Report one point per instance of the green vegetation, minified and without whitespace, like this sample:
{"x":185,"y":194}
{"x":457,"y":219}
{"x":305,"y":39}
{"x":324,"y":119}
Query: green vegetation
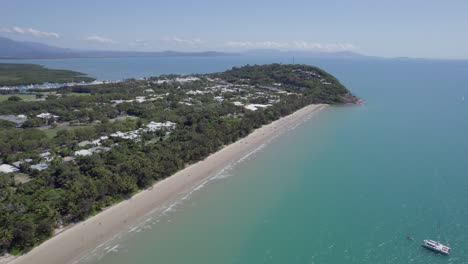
{"x":78,"y":94}
{"x":52,"y":132}
{"x":209,"y":111}
{"x":312,"y":81}
{"x":25,"y":74}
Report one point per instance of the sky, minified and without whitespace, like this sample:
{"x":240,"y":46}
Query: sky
{"x":409,"y":28}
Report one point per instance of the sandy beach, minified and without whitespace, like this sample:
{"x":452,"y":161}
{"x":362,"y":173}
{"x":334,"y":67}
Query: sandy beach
{"x":85,"y":236}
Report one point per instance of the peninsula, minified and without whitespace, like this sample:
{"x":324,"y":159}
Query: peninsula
{"x":26,"y":74}
{"x":74,"y":151}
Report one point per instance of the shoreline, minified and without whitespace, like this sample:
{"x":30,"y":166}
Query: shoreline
{"x":81,"y":238}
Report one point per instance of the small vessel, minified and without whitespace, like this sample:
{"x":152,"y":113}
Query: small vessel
{"x":436,"y":246}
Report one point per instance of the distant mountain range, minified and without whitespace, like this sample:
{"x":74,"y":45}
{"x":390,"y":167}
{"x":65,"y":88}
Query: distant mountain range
{"x":12,"y":49}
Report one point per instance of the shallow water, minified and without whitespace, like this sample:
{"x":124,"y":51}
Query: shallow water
{"x":347,"y":186}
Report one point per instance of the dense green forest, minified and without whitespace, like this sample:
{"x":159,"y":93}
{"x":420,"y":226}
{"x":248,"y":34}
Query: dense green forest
{"x":25,"y":74}
{"x":209,"y":111}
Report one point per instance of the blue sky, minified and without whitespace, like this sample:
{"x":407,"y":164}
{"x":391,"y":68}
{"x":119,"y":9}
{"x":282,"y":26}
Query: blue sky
{"x":412,"y":28}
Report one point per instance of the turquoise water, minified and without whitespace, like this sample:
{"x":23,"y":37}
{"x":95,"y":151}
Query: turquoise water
{"x":347,"y":186}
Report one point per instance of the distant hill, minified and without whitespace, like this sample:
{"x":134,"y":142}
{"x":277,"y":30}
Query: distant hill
{"x":12,"y":49}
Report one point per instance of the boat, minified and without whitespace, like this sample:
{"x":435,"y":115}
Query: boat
{"x":436,"y":246}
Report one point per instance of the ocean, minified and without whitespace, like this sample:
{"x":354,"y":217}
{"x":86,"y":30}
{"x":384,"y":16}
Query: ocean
{"x":350,"y":185}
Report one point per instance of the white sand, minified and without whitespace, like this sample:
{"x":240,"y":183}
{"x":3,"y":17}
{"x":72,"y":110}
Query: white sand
{"x":83,"y":237}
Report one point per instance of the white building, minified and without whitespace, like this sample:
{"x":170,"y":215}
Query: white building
{"x":46,"y":116}
{"x":126,"y":135}
{"x":254,"y":107}
{"x":154,"y":126}
{"x":83,"y":152}
{"x":88,"y":152}
{"x":40,"y":166}
{"x":6,"y":168}
{"x":46,"y":155}
{"x":151,"y":127}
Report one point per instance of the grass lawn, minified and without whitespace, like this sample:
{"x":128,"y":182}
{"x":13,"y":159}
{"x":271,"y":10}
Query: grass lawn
{"x":123,"y":118}
{"x":25,"y":97}
{"x":22,"y":178}
{"x":52,"y":132}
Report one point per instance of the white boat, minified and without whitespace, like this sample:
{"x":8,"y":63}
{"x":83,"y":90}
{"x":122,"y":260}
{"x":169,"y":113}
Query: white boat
{"x":436,"y":246}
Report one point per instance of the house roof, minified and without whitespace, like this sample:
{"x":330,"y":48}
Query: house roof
{"x":6,"y":168}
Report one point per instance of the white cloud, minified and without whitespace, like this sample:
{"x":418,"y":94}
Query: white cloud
{"x":178,"y":40}
{"x":101,"y":40}
{"x":140,"y":43}
{"x":30,"y":32}
{"x":292,"y":45}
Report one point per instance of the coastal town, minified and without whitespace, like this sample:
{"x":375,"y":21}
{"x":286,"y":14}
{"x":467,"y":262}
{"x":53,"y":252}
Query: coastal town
{"x":240,"y":95}
{"x":90,"y":146}
{"x":192,"y":90}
